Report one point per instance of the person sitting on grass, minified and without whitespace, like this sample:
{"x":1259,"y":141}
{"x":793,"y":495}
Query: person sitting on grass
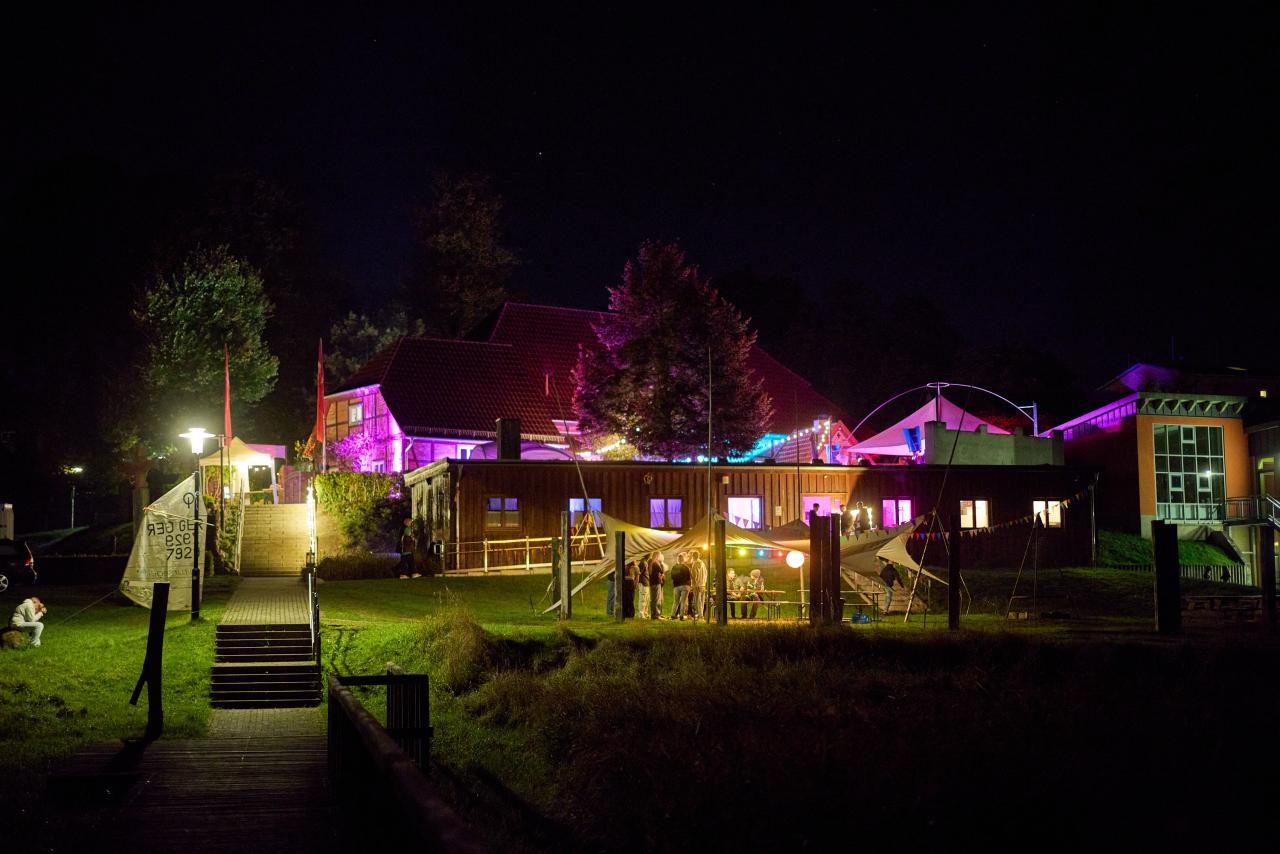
{"x":27,"y":617}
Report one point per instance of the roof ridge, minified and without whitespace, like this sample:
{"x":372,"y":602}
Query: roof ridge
{"x":556,"y":307}
{"x":455,"y":341}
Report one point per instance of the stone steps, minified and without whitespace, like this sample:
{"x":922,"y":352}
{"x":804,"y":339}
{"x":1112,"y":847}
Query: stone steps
{"x":264,"y":666}
{"x":275,"y":540}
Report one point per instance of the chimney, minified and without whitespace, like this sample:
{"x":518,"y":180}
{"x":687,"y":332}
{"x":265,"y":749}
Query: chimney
{"x":508,"y":438}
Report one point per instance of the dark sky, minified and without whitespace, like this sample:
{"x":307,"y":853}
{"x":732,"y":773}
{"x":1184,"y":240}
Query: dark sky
{"x":1092,"y":179}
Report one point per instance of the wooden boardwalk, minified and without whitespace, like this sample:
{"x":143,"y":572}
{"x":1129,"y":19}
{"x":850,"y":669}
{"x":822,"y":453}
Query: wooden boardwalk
{"x":233,"y":793}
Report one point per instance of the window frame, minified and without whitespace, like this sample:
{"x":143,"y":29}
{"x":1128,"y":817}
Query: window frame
{"x":1047,"y":523}
{"x":973,"y":514}
{"x":575,"y":516}
{"x":355,"y":412}
{"x":666,"y":512}
{"x":897,"y":508}
{"x":503,"y":511}
{"x":759,"y":500}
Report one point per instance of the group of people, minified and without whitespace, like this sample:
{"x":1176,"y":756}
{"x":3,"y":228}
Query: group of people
{"x":642,"y":591}
{"x":641,"y":594}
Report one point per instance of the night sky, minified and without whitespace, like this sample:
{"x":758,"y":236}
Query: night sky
{"x":1094,"y":181}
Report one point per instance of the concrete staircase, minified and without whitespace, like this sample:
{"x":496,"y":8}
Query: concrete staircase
{"x":264,"y":666}
{"x":275,"y":540}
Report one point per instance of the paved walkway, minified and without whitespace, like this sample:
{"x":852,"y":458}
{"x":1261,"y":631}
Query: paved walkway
{"x":266,"y":601}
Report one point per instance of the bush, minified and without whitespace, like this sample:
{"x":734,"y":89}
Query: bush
{"x":370,"y":508}
{"x":356,"y":567}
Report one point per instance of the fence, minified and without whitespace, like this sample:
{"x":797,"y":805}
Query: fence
{"x":379,"y":783}
{"x":1231,"y":574}
{"x":519,"y":554}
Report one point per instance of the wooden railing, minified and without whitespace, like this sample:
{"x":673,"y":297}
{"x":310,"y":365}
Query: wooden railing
{"x":381,"y":787}
{"x":1235,"y":573}
{"x":517,"y":553}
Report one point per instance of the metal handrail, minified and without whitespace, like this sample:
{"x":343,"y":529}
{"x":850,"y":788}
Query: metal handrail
{"x":239,"y":532}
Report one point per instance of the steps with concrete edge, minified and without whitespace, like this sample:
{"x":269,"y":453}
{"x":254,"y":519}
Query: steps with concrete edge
{"x":275,"y":540}
{"x":264,"y":666}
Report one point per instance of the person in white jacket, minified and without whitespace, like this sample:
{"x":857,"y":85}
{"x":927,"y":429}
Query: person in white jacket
{"x":27,"y":617}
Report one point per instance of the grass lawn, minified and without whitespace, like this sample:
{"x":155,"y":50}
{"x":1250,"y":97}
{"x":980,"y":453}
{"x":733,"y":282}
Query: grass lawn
{"x":74,"y":689}
{"x":595,"y":736}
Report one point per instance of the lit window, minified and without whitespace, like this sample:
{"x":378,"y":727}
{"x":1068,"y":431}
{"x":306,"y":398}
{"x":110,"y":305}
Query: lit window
{"x":575,"y":511}
{"x":895,"y":511}
{"x":502,"y":512}
{"x":355,"y":413}
{"x":666,"y":513}
{"x":378,"y":466}
{"x":822,"y":502}
{"x":974,"y":513}
{"x":1262,"y":393}
{"x":1049,"y":512}
{"x":464,"y":451}
{"x":1190,"y":472}
{"x":745,"y":511}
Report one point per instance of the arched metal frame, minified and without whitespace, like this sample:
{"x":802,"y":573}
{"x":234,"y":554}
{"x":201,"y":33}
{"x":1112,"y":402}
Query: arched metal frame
{"x":938,"y":387}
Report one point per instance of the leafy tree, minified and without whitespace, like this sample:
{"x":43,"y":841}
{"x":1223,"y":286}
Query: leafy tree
{"x":212,"y":300}
{"x":463,"y":267}
{"x":646,"y":377}
{"x":357,"y":338}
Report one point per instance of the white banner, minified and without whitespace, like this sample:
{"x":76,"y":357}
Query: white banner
{"x":168,"y":542}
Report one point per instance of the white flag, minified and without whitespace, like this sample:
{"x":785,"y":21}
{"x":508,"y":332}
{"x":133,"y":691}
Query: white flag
{"x":169,"y":541}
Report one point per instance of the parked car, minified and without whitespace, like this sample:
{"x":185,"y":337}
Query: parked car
{"x":17,"y":564}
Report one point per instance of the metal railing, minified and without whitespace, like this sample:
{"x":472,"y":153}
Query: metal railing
{"x":518,"y":553}
{"x":239,"y":532}
{"x":313,"y":605}
{"x":1235,"y":573}
{"x":1252,"y":508}
{"x":378,"y":772}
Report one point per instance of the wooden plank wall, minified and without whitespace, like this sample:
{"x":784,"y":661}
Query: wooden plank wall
{"x":544,"y":489}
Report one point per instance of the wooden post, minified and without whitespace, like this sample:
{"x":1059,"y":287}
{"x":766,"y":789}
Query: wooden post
{"x":722,"y":576}
{"x":151,"y":662}
{"x":619,"y":579}
{"x":1164,"y":537}
{"x":818,"y":543}
{"x":1267,"y":571}
{"x":833,"y":576}
{"x":564,"y":567}
{"x":953,"y":575}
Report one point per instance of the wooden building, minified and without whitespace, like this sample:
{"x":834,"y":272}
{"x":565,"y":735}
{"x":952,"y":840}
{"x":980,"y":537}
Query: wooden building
{"x":503,"y":513}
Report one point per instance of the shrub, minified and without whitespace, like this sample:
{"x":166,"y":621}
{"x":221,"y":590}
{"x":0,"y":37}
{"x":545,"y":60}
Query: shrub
{"x":370,"y":508}
{"x":354,"y":567}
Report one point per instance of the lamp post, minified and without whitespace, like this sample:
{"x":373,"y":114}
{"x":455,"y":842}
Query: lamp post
{"x":196,"y":436}
{"x":73,"y":471}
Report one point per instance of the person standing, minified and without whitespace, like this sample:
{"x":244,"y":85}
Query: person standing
{"x":681,"y":577}
{"x":27,"y":617}
{"x":642,"y":582}
{"x":611,"y":591}
{"x":888,"y":577}
{"x":628,"y":601}
{"x":408,"y":543}
{"x":657,"y":575}
{"x":698,"y":589}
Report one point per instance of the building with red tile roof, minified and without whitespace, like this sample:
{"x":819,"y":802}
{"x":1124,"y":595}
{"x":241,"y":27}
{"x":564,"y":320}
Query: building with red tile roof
{"x":425,"y":399}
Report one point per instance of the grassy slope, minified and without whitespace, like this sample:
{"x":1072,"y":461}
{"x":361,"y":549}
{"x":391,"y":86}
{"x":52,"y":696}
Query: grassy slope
{"x":1117,"y":549}
{"x":74,"y":689}
{"x":551,"y":739}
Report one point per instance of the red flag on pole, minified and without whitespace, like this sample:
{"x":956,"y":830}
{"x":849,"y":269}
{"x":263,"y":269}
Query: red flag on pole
{"x":226,"y":392}
{"x":317,"y":433}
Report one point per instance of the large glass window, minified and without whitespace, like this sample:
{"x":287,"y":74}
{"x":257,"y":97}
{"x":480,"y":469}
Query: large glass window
{"x":666,"y":513}
{"x":974,"y":513}
{"x":745,"y":511}
{"x":502,"y":511}
{"x":355,"y":413}
{"x":576,"y":510}
{"x":895,"y":511}
{"x":1190,"y":472}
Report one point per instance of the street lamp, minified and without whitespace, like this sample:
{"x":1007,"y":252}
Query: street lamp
{"x":73,"y":470}
{"x":196,"y":436}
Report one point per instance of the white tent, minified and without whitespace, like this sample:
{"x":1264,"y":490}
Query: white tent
{"x":240,"y":457}
{"x":893,"y":442}
{"x":857,"y":554}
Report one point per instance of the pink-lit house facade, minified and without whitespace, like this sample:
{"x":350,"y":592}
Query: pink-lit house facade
{"x":424,"y":400}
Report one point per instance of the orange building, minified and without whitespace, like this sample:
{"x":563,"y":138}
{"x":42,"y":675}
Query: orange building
{"x":1174,"y":445}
